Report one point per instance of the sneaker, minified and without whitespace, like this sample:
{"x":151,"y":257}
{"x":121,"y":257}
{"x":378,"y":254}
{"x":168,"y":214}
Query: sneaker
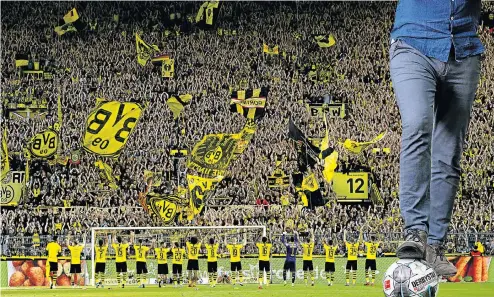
{"x":366,"y":284}
{"x":241,"y":284}
{"x":51,"y":285}
{"x":141,"y":286}
{"x":97,"y":285}
{"x":434,"y":255}
{"x":347,"y":285}
{"x":312,"y":284}
{"x":260,"y":287}
{"x":293,"y":285}
{"x":414,"y":245}
{"x":123,"y":286}
{"x":284,"y":283}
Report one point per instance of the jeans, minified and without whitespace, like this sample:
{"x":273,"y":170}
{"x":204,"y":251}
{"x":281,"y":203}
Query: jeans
{"x":435,"y":100}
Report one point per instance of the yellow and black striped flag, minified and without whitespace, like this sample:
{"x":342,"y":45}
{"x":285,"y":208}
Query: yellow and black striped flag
{"x":250,"y":102}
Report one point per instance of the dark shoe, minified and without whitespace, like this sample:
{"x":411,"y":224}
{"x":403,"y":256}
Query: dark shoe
{"x":414,"y":245}
{"x":435,"y":257}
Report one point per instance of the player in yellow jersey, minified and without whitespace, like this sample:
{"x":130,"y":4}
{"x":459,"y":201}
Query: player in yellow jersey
{"x":100,"y":254}
{"x":54,"y":249}
{"x":264,"y":248}
{"x":141,"y":267}
{"x":120,"y":249}
{"x":329,"y":267}
{"x":351,"y":264}
{"x":370,"y":261}
{"x":161,"y":254}
{"x":75,"y":259}
{"x":308,"y":266}
{"x":212,"y":253}
{"x":235,"y":264}
{"x":178,"y":254}
{"x":193,"y":248}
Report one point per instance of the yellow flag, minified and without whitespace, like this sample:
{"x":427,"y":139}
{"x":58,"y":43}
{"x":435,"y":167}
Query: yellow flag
{"x":71,"y":16}
{"x":168,"y":68}
{"x":177,"y":103}
{"x":198,"y":189}
{"x":144,"y":50}
{"x":108,"y":173}
{"x":357,"y":147}
{"x":5,"y":156}
{"x":310,"y":183}
{"x":330,"y":164}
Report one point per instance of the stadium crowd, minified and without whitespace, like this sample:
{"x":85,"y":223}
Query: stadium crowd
{"x":101,"y":62}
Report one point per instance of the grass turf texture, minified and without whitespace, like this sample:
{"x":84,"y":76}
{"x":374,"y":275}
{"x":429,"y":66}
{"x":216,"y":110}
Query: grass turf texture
{"x":276,"y":290}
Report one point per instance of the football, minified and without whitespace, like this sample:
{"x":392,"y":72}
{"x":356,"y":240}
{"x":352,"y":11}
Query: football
{"x":410,"y":278}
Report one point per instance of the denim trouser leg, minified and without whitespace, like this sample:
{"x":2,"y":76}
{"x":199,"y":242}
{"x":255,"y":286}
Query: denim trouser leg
{"x":435,"y":100}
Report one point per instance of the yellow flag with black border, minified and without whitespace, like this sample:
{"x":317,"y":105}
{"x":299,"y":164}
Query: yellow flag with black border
{"x":177,"y":104}
{"x":107,"y":173}
{"x":144,"y":50}
{"x":168,"y":68}
{"x":44,"y":144}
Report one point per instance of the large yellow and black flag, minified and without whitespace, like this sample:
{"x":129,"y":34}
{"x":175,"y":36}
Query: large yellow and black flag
{"x":250,"y":102}
{"x":144,"y":50}
{"x":5,"y":156}
{"x":109,"y":126}
{"x":308,"y":189}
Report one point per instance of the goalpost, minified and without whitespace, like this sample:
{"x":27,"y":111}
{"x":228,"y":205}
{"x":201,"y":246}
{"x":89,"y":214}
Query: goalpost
{"x":151,"y":236}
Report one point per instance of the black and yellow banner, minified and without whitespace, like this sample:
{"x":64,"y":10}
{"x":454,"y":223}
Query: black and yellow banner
{"x":5,"y":156}
{"x":109,"y":126}
{"x":249,"y":103}
{"x":270,"y":50}
{"x":168,"y":68}
{"x":177,"y":103}
{"x":21,"y":60}
{"x":144,"y":50}
{"x":278,"y":179}
{"x":207,"y":13}
{"x":212,"y":155}
{"x":44,"y":144}
{"x":334,"y":110}
{"x":308,"y":189}
{"x":70,"y":23}
{"x":325,"y":40}
{"x":12,"y":188}
{"x":351,"y":186}
{"x":199,"y":187}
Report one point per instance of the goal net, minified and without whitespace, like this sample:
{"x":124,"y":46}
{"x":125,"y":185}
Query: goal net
{"x":153,"y":236}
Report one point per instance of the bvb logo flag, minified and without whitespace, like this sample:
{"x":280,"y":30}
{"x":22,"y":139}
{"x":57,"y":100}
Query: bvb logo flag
{"x":198,"y":189}
{"x":212,"y":155}
{"x":109,"y":126}
{"x":163,"y":207}
{"x":12,"y":187}
{"x":44,"y":144}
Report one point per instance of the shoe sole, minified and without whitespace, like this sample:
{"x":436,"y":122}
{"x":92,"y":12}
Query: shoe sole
{"x":410,"y":250}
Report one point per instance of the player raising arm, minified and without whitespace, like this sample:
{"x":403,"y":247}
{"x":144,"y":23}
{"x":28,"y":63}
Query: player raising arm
{"x":75,"y":258}
{"x":120,"y":249}
{"x":161,"y":253}
{"x":141,"y":267}
{"x":178,"y":255}
{"x":264,"y":248}
{"x":291,"y":253}
{"x":308,"y":266}
{"x":351,"y":264}
{"x":100,"y":253}
{"x":54,"y":250}
{"x":193,"y":248}
{"x":212,"y":253}
{"x":370,"y":261}
{"x":235,"y":264}
{"x":329,"y":268}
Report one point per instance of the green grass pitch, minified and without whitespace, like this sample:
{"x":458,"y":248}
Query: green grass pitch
{"x":276,"y":290}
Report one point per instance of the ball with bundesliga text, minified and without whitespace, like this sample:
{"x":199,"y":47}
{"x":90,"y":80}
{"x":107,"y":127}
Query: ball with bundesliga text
{"x":410,"y":278}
